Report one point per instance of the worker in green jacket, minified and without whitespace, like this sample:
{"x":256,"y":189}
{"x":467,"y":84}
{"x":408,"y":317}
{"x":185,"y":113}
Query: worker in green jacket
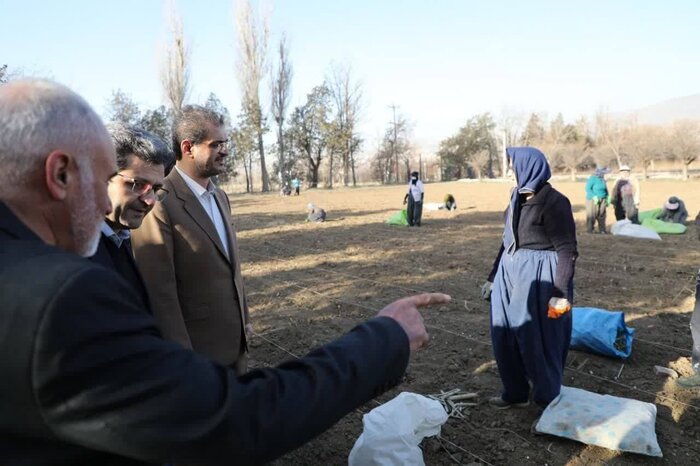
{"x":597,"y":200}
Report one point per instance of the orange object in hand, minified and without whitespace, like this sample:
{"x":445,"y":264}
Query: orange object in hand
{"x":557,"y":307}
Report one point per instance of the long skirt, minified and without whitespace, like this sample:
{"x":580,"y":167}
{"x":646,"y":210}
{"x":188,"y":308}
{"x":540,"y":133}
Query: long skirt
{"x":529,"y":346}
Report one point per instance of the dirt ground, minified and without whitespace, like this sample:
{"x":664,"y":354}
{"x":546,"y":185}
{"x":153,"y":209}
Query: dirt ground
{"x":308,"y":283}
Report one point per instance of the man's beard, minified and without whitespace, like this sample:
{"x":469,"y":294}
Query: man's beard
{"x":86,"y":219}
{"x":210,"y":169}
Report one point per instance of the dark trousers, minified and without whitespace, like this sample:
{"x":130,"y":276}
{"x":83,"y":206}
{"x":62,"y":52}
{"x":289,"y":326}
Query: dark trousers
{"x":414,"y":211}
{"x":630,"y":209}
{"x":527,"y":344}
{"x":595,"y":212}
{"x":625,"y":208}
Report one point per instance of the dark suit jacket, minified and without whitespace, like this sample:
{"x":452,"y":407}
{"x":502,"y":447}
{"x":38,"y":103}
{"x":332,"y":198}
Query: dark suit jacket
{"x":86,"y":378}
{"x":122,"y":261}
{"x":196,"y":289}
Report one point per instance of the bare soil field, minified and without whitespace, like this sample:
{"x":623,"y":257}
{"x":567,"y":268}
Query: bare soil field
{"x":308,"y":283}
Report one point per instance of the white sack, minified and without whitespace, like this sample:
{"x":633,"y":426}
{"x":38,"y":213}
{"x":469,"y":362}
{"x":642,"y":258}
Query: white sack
{"x":607,"y":421}
{"x":626,"y":228}
{"x":391,"y":432}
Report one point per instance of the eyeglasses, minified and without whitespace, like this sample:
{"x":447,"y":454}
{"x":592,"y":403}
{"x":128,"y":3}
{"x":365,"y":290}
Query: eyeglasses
{"x":141,"y":188}
{"x":220,"y":146}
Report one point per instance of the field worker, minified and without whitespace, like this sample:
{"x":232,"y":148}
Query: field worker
{"x":674,"y":211}
{"x":315,"y":214}
{"x":626,"y":195}
{"x":532,"y":286}
{"x":450,"y":202}
{"x":414,"y":196}
{"x":597,"y":200}
{"x":142,"y":159}
{"x":296,"y":185}
{"x":87,"y":378}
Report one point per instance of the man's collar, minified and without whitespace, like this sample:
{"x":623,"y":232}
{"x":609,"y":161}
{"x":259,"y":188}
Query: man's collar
{"x":196,"y":188}
{"x":117,"y":236}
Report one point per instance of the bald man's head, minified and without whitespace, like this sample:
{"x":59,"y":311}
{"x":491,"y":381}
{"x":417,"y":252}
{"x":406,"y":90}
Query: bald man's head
{"x":55,"y":160}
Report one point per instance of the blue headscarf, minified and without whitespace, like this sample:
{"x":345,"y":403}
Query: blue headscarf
{"x":531,"y":173}
{"x":601,"y":172}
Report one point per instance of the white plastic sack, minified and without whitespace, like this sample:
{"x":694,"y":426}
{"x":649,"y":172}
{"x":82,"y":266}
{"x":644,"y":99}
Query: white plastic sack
{"x":391,"y":432}
{"x":626,"y":228}
{"x":434,"y":206}
{"x":603,"y":420}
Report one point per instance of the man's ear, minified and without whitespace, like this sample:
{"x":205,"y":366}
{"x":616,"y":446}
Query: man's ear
{"x":186,"y":147}
{"x":58,"y":174}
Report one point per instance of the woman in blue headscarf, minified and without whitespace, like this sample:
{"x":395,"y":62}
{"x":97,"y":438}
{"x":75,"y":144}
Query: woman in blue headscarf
{"x":531,"y":285}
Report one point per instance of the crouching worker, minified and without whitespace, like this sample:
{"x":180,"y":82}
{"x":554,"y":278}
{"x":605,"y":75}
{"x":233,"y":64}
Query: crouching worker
{"x":450,"y":203}
{"x":316,"y":214}
{"x":674,"y":211}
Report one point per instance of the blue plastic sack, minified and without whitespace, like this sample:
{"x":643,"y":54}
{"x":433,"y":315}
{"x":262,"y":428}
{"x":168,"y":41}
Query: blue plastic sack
{"x":597,"y":330}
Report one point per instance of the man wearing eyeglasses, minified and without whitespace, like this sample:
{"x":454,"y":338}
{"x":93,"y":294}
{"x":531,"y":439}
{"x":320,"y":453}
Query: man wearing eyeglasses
{"x":186,"y":248}
{"x":141,"y":162}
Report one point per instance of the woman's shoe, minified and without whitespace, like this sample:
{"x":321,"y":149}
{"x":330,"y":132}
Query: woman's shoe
{"x":499,"y":403}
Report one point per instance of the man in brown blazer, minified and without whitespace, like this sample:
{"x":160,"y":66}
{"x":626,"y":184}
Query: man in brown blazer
{"x":187,"y":252}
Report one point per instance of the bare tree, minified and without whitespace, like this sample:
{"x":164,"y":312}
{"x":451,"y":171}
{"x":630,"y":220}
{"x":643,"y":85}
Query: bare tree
{"x":612,"y":134}
{"x":479,"y":161}
{"x":346,"y":96}
{"x":175,"y":69}
{"x":685,"y":143}
{"x":572,"y":155}
{"x":245,"y":148}
{"x":646,"y":144}
{"x":309,"y":131}
{"x":121,"y":108}
{"x":509,"y":131}
{"x":280,"y":88}
{"x":252,"y":49}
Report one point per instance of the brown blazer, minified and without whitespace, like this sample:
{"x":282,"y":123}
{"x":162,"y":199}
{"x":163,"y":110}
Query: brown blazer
{"x":195,"y":288}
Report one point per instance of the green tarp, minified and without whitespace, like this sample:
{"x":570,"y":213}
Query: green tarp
{"x":399,"y":218}
{"x":653,"y":214}
{"x":650,"y":219}
{"x":662,"y":227}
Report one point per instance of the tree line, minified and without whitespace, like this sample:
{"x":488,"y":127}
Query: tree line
{"x":475,"y":150}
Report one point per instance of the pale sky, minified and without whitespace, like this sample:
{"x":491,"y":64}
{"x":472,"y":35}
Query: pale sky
{"x":441,"y":62}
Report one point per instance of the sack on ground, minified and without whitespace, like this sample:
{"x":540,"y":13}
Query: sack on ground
{"x":626,"y":228}
{"x":601,"y":332}
{"x":606,"y":421}
{"x":391,"y":432}
{"x":398,"y":218}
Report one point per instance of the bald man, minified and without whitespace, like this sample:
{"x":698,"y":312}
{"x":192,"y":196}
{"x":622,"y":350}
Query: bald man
{"x":86,"y":377}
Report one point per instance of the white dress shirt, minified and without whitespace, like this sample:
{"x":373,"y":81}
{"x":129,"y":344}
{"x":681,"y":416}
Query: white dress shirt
{"x":206,"y":198}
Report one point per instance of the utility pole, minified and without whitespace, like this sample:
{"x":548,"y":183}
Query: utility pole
{"x":394,"y":155}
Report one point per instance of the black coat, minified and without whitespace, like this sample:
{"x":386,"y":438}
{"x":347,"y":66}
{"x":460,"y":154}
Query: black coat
{"x":86,"y":378}
{"x":121,"y":260}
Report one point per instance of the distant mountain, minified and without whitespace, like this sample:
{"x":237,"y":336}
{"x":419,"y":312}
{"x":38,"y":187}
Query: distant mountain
{"x":666,"y":112}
